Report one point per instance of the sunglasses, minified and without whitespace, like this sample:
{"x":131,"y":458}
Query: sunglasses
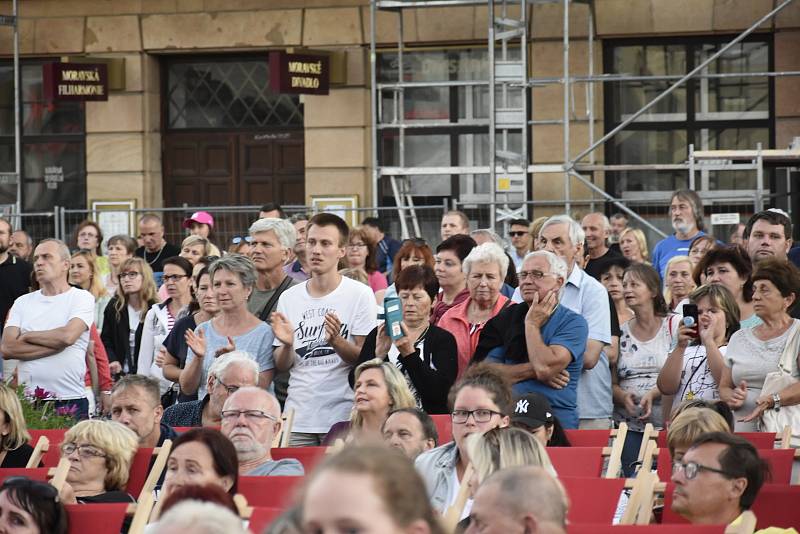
{"x":238,"y":239}
{"x":517,"y":234}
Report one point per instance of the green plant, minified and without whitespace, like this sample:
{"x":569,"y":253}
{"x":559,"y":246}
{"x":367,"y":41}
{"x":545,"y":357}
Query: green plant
{"x":40,"y":412}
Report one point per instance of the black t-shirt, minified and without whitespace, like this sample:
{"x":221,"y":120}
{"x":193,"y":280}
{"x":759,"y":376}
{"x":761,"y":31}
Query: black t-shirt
{"x":156,"y":259}
{"x":108,"y":496}
{"x":175,"y":343}
{"x":15,"y":281}
{"x":593,"y":266}
{"x":18,"y":457}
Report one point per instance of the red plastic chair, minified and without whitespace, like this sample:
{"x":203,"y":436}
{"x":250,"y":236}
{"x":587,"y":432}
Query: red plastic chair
{"x":577,"y":461}
{"x":262,"y":518}
{"x":588,"y":438}
{"x":269,"y":491}
{"x":779,"y":460}
{"x":308,"y":456}
{"x":56,"y":436}
{"x":140,"y":468}
{"x":585,"y":528}
{"x":103,"y":518}
{"x":444,"y":426}
{"x":35,"y":473}
{"x":592,"y":500}
{"x":760,"y":440}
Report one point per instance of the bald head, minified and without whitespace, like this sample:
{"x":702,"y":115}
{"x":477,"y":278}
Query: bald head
{"x":253,"y":398}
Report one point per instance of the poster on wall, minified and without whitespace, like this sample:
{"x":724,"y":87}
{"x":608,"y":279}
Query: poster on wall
{"x":343,"y":206}
{"x":114,"y":217}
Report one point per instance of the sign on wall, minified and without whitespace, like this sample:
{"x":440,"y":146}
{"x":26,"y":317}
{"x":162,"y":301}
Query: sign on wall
{"x":299,"y":73}
{"x":75,"y":81}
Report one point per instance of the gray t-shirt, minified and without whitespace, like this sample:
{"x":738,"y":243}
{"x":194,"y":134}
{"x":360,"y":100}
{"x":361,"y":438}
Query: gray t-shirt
{"x":285,"y":467}
{"x":258,"y":298}
{"x":257,"y":342}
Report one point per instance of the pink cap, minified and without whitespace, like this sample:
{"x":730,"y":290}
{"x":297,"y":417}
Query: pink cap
{"x":202,"y":217}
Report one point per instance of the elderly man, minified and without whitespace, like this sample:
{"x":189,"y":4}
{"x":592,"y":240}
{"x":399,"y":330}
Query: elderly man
{"x":597,"y":228}
{"x":21,"y":245}
{"x":411,"y":430}
{"x":227,"y":374}
{"x":48,"y":331}
{"x":136,"y":403}
{"x":453,"y":223}
{"x":154,"y":249}
{"x":520,"y":500}
{"x":251,"y":418}
{"x":717,"y":479}
{"x":686,"y":210}
{"x":535,"y":341}
{"x":271,"y":244}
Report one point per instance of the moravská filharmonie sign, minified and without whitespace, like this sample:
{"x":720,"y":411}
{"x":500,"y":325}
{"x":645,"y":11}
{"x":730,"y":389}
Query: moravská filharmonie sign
{"x":75,"y":81}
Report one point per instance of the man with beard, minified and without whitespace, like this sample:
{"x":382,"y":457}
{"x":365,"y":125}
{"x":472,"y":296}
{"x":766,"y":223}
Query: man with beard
{"x":251,"y":418}
{"x":686,"y":211}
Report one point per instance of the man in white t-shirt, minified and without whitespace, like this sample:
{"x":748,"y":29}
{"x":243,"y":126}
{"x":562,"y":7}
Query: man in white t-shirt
{"x":319,"y":327}
{"x":48,"y":331}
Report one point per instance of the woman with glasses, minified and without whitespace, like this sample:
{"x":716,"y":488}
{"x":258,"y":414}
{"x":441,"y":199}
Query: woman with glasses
{"x":125,"y":314}
{"x":158,"y":323}
{"x":120,"y":249}
{"x":233,"y":278}
{"x":100,"y":454}
{"x":361,"y":254}
{"x":481,"y":401}
{"x":201,"y":456}
{"x":379,"y":388}
{"x":89,"y":237}
{"x":31,"y":507}
{"x":194,"y":248}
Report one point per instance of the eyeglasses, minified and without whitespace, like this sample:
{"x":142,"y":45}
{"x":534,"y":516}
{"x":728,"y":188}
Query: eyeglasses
{"x":253,"y":416}
{"x":84,"y":451}
{"x":230,"y":389}
{"x":238,"y":239}
{"x":517,"y":234}
{"x":129,"y":274}
{"x":479,"y":416}
{"x":536,"y":275}
{"x":356,"y":246}
{"x":691,"y":469}
{"x":173,"y":277}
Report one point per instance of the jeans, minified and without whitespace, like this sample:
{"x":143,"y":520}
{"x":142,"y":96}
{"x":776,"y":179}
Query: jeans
{"x":306,"y":439}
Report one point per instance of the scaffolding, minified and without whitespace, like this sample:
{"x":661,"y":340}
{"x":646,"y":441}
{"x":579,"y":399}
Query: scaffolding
{"x":511,"y":169}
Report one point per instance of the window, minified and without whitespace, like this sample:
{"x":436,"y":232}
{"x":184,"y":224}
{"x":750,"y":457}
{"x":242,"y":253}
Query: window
{"x":53,"y":144}
{"x":711,"y":113}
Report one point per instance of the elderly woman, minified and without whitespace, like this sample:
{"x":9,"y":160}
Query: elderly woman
{"x":233,"y":278}
{"x":730,"y":267}
{"x":643,"y":347}
{"x":678,"y":282}
{"x":633,"y":245}
{"x":125,"y":314}
{"x":31,"y":507}
{"x":379,"y":388}
{"x":447,"y":266}
{"x":201,"y":456}
{"x":694,"y":368}
{"x":15,"y":450}
{"x":120,"y":248}
{"x":361,"y":254}
{"x":100,"y":454}
{"x":754,"y":352}
{"x":426,"y":354}
{"x":485,"y":269}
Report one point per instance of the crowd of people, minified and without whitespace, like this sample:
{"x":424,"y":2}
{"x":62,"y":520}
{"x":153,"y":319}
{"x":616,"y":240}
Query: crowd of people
{"x":567,"y":325}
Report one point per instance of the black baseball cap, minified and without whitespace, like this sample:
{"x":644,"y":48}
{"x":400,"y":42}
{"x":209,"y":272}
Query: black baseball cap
{"x":532,"y":410}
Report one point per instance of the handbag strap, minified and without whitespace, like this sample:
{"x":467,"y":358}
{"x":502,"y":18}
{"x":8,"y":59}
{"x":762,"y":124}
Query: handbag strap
{"x":265,"y":313}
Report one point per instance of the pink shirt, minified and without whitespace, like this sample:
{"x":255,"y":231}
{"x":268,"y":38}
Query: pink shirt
{"x":377,"y":281}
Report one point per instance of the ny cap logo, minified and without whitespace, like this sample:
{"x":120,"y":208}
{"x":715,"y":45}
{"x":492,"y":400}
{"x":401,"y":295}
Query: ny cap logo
{"x":522,"y":406}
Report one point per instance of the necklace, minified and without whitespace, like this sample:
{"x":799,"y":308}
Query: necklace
{"x":154,"y":259}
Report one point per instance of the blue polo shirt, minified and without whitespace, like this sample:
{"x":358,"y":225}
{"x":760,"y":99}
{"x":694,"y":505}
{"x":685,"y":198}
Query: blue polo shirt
{"x":568,"y":329}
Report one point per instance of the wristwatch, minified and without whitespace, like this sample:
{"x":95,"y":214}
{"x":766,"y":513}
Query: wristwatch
{"x":776,"y":402}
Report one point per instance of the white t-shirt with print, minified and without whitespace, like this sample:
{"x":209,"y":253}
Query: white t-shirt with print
{"x":318,"y":388}
{"x":62,"y":373}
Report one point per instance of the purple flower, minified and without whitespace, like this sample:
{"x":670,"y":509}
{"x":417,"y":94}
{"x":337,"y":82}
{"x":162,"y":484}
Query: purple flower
{"x":41,"y":394}
{"x":67,"y":411}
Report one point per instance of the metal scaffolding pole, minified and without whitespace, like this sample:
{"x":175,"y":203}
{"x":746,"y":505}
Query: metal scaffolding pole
{"x":17,"y":118}
{"x":566,"y":87}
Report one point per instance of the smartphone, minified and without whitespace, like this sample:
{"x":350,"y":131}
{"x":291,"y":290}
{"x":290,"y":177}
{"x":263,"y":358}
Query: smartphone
{"x":393,"y":311}
{"x":690,"y":318}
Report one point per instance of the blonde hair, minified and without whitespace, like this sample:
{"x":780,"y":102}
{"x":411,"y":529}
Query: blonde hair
{"x":640,"y":239}
{"x":355,"y":273}
{"x":116,"y":440}
{"x":17,"y":432}
{"x":96,"y":286}
{"x":194,"y":240}
{"x":533,"y":231}
{"x":689,"y":424}
{"x":400,"y":395}
{"x":501,"y":448}
{"x":148,"y":294}
{"x":672,"y":261}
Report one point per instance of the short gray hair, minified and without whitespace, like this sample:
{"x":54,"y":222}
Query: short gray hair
{"x":199,"y":517}
{"x":491,"y":234}
{"x":237,"y":264}
{"x":486,"y":253}
{"x":63,"y":249}
{"x":236,"y":357}
{"x":557,"y":265}
{"x":287,"y":235}
{"x":576,"y":233}
{"x":531,"y":489}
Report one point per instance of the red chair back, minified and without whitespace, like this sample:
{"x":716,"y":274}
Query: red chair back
{"x":780,"y":464}
{"x":577,"y":461}
{"x":308,"y":456}
{"x":592,"y":500}
{"x":56,"y":436}
{"x":777,"y":505}
{"x":664,"y":468}
{"x":35,"y":473}
{"x":585,"y":528}
{"x":444,"y":426}
{"x":140,"y":468}
{"x":588,"y":438}
{"x":760,"y":440}
{"x":105,"y":518}
{"x":269,"y":491}
{"x":262,"y":517}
